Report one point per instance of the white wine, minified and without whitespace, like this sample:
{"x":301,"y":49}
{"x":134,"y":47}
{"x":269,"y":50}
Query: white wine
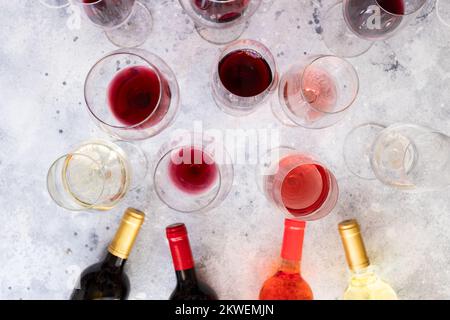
{"x":96,"y":174}
{"x":364,"y":282}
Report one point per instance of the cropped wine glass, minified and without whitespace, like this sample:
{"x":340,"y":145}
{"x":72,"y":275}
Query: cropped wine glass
{"x":127,"y":23}
{"x":350,"y":27}
{"x":404,"y":156}
{"x":220,"y":21}
{"x":243,"y":78}
{"x":316,"y":92}
{"x":297,"y":184}
{"x":132,"y":94}
{"x":96,"y":175}
{"x":194,"y":173}
{"x":55,"y":4}
{"x":443,"y":11}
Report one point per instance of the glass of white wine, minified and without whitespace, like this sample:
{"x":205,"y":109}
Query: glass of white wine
{"x":404,"y":156}
{"x":96,"y":175}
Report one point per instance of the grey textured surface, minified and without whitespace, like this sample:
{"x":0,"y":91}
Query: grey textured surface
{"x":43,"y":248}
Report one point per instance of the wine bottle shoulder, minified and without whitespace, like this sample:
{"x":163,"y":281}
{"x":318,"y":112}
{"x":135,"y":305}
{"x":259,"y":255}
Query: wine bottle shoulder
{"x":194,"y":292}
{"x":100,"y":282}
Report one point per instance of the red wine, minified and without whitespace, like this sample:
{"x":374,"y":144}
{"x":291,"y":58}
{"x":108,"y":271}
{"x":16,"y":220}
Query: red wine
{"x":108,"y":13}
{"x":192,"y":170}
{"x":393,"y":6}
{"x":107,"y":280}
{"x":188,"y":287}
{"x":245,"y":73}
{"x":220,"y":11}
{"x":134,"y":96}
{"x":305,"y":188}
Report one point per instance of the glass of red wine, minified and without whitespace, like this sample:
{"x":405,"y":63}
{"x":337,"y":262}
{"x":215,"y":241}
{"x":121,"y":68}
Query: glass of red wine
{"x":316,"y":93}
{"x":244,"y":77}
{"x":220,"y":21}
{"x":127,"y":23}
{"x":194,"y":173}
{"x":350,"y":27}
{"x":297,"y":184}
{"x":132,"y":94}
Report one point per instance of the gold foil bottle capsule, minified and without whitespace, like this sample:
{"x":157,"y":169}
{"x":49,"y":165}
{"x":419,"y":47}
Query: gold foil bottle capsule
{"x":355,"y":251}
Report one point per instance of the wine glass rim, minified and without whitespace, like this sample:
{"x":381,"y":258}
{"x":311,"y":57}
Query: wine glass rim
{"x":83,"y":206}
{"x":423,"y":2}
{"x":200,"y":209}
{"x":216,"y":25}
{"x":267,"y":56}
{"x":348,"y":64}
{"x":87,"y":4}
{"x":150,"y":65}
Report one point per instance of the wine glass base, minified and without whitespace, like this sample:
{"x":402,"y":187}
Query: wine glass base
{"x":358,"y":149}
{"x":221,"y":36}
{"x":279,"y":114}
{"x":134,"y":32}
{"x":339,"y":38}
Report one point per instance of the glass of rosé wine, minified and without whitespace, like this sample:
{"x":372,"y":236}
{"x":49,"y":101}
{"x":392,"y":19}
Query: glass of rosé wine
{"x":316,"y":92}
{"x":220,"y":21}
{"x":194,"y":173}
{"x":127,"y":23}
{"x":350,"y":27}
{"x":297,"y":184}
{"x":132,"y":94}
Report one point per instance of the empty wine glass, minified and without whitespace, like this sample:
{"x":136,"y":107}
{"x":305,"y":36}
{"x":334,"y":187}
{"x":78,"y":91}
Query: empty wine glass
{"x":96,"y":175}
{"x":127,"y":23}
{"x":351,"y":26}
{"x":297,"y":184}
{"x":443,"y":11}
{"x":404,"y":156}
{"x":220,"y":21}
{"x":194,"y":173}
{"x":132,"y":94}
{"x":316,"y":92}
{"x":243,"y":78}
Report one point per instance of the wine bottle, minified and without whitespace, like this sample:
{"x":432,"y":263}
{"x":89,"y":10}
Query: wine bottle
{"x":287,"y":283}
{"x":188,"y":287}
{"x":364,"y":282}
{"x":107,"y":280}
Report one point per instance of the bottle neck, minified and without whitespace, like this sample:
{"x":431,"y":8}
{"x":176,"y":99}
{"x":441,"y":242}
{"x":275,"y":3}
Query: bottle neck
{"x":186,"y":277}
{"x":180,"y":249}
{"x":291,"y":252}
{"x":114,"y":262}
{"x":290,"y":266}
{"x":363,"y":276}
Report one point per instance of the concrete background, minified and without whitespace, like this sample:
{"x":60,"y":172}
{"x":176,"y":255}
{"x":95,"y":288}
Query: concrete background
{"x":43,"y":248}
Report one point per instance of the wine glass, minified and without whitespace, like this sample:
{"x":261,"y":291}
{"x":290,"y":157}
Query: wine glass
{"x":443,"y":11}
{"x":316,"y":92}
{"x":404,"y":156}
{"x":350,"y":27}
{"x":55,"y":4}
{"x":194,"y":173}
{"x":127,"y":23}
{"x":244,"y":77}
{"x":132,"y":94}
{"x":220,"y":21}
{"x":297,"y":184}
{"x":96,"y":175}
